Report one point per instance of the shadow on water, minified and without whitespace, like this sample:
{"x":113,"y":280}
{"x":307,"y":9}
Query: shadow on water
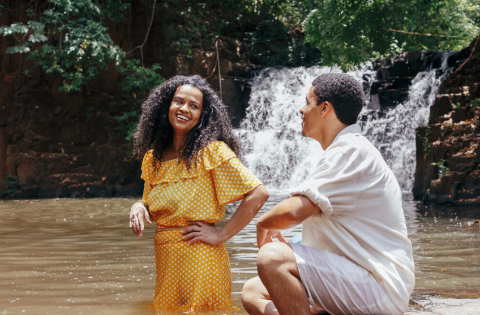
{"x":65,"y":256}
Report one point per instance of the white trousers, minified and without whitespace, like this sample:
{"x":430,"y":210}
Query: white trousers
{"x":339,"y":286}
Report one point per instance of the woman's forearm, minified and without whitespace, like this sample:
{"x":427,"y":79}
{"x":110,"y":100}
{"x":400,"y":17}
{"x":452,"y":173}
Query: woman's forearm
{"x":248,"y":209}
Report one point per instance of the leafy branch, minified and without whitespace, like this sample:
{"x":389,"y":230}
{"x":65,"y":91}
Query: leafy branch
{"x":71,"y":40}
{"x":442,"y":168}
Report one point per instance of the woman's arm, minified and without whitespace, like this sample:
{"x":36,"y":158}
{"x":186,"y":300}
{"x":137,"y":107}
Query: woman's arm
{"x":248,"y":209}
{"x":138,"y":213}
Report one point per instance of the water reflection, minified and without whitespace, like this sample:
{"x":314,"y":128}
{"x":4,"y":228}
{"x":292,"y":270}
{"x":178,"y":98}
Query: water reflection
{"x":68,"y":256}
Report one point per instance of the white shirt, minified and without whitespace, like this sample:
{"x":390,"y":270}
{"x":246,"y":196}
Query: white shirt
{"x":361,"y":215}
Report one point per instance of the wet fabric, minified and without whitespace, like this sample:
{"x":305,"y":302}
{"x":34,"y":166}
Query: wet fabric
{"x":361,"y":216}
{"x":339,"y":286}
{"x":193,"y":277}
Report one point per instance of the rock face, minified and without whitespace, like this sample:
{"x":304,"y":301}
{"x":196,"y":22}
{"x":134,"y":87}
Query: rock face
{"x":448,"y":151}
{"x":395,"y":75}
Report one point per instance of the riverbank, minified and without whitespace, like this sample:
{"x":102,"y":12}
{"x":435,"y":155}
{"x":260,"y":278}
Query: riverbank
{"x":439,"y":306}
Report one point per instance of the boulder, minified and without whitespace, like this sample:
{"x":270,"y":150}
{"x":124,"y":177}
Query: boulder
{"x":391,"y":97}
{"x":442,"y":106}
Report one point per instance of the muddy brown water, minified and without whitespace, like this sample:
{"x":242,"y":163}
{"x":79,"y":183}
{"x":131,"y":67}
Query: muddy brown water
{"x":78,"y":256}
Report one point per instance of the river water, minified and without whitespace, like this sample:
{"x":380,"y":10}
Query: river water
{"x":64,"y":256}
{"x":78,"y":256}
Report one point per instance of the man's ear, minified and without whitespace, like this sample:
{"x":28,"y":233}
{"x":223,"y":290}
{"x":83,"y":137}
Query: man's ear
{"x":325,"y":107}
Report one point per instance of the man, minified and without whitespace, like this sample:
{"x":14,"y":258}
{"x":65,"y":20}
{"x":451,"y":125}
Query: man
{"x":355,"y":257}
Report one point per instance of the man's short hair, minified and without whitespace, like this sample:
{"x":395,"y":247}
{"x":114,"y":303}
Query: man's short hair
{"x":343,"y":92}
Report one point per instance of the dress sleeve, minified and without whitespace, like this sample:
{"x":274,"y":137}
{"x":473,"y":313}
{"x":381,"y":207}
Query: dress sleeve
{"x":147,"y":188}
{"x":146,"y":175}
{"x":231,"y":178}
{"x":333,"y":182}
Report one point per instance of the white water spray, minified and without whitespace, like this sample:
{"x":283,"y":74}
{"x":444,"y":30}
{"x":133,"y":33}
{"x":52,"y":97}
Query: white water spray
{"x":281,"y":157}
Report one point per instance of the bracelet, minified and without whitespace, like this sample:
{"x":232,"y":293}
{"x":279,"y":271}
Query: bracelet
{"x":144,"y":204}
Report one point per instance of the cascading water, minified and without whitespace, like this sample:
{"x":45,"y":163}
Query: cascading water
{"x":281,"y":157}
{"x":393,"y":131}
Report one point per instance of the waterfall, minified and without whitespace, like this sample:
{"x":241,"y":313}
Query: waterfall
{"x":281,"y":157}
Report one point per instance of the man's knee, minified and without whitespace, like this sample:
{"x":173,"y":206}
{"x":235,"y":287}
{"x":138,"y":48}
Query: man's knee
{"x":273,"y":255}
{"x":250,"y":288}
{"x":251,"y":292}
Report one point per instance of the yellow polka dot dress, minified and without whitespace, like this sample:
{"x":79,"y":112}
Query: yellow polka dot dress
{"x":193,"y":277}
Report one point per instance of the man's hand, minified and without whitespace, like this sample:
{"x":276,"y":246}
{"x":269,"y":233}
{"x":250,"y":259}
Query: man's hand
{"x":285,"y":215}
{"x":265,"y":236}
{"x":200,"y":232}
{"x":139,"y":213}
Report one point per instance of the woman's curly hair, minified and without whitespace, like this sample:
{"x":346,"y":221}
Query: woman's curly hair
{"x":155,"y":132}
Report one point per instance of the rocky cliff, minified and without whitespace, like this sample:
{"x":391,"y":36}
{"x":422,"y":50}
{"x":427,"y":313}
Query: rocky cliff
{"x":448,"y":151}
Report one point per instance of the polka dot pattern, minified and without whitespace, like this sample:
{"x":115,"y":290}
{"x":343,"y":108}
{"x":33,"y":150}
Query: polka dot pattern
{"x":193,"y":277}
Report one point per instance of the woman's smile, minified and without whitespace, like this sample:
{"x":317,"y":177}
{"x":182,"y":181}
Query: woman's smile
{"x":182,"y":117}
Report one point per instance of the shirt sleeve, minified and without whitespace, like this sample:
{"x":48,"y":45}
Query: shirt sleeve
{"x":232,"y":180}
{"x":333,"y":185}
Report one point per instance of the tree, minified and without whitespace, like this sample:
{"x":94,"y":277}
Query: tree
{"x":351,"y":32}
{"x":68,"y":38}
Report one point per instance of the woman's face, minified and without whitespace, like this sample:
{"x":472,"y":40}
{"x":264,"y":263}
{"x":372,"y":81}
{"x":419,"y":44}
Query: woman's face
{"x":185,"y":109}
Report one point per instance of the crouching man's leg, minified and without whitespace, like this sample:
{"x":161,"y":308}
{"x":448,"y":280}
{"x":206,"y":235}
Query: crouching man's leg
{"x":295,"y":282}
{"x":278,"y":289}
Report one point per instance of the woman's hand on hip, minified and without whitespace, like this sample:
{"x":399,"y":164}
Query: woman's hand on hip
{"x":139,"y":213}
{"x":201,"y":232}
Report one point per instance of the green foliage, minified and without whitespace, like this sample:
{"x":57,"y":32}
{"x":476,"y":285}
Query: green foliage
{"x":128,"y":123}
{"x":138,"y":79}
{"x":264,"y":27}
{"x":272,"y":44}
{"x":15,"y":28}
{"x":20,"y":32}
{"x":442,"y":168}
{"x":269,"y":44}
{"x":475,"y":103}
{"x":83,"y":44}
{"x":12,"y":185}
{"x":70,"y":39}
{"x":425,"y":141}
{"x":458,"y":105}
{"x":350,"y":32}
{"x":114,"y":9}
{"x":73,"y":40}
{"x":289,"y":12}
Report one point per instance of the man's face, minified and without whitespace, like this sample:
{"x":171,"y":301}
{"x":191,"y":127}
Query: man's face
{"x":310,"y":115}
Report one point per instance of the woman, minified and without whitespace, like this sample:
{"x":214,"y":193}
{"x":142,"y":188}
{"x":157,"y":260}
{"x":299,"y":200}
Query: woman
{"x":191,"y":171}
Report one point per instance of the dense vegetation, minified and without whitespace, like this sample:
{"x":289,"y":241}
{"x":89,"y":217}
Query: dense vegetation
{"x":350,"y":32}
{"x":70,"y":38}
